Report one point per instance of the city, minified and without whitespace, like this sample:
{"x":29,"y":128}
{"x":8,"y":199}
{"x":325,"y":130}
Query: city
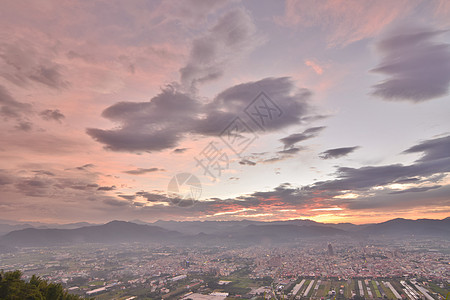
{"x":314,"y":269}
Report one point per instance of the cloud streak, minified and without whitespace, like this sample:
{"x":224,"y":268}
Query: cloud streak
{"x":337,"y":152}
{"x":232,"y":36}
{"x":9,"y":107}
{"x":140,"y":171}
{"x":344,"y":22}
{"x":22,"y":64}
{"x":294,"y":138}
{"x":418,"y":66}
{"x":52,"y":114}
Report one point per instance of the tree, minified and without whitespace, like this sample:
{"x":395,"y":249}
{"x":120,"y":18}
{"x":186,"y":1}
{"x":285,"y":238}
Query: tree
{"x":12,"y":287}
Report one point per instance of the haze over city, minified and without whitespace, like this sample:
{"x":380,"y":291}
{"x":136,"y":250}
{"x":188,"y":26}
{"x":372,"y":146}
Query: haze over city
{"x":340,"y":110}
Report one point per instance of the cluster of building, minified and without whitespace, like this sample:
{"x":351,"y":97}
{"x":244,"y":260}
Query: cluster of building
{"x":352,"y":260}
{"x":93,"y":269}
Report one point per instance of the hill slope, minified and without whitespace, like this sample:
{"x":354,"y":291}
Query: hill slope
{"x":112,"y":232}
{"x":401,"y":226}
{"x":212,"y":232}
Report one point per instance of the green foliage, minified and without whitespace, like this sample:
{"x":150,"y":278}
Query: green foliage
{"x":12,"y":287}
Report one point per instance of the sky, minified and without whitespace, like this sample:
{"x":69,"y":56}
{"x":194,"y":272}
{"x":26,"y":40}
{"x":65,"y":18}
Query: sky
{"x":334,"y":111}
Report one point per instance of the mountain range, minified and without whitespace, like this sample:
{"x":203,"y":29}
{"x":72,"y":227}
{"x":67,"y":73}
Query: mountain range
{"x":216,"y":232}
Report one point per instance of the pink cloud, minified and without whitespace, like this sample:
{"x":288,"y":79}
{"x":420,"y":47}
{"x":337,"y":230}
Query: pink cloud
{"x":318,"y":69}
{"x":345,"y":21}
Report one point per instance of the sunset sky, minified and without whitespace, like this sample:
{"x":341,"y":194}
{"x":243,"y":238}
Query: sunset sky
{"x":344,"y":107}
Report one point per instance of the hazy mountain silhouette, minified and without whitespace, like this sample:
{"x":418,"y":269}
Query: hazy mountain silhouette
{"x":209,"y":227}
{"x":112,"y":232}
{"x":5,"y":228}
{"x":279,"y":232}
{"x":401,"y":226}
{"x":8,"y":226}
{"x":220,"y":231}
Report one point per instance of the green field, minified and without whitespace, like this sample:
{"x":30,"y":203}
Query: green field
{"x":241,"y":284}
{"x":376,"y":292}
{"x":444,"y":292}
{"x":326,"y":285}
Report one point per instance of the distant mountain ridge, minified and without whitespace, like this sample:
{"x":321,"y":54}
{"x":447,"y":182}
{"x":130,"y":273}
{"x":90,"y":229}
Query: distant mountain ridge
{"x":401,"y":226}
{"x":8,"y":226}
{"x":219,"y":231}
{"x":208,"y":227}
{"x":112,"y":232}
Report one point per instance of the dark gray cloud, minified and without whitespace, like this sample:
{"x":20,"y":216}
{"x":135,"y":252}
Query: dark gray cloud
{"x":44,"y":172}
{"x":233,"y":34}
{"x":132,"y":141}
{"x":367,"y":177}
{"x":280,"y":155}
{"x":337,"y":152}
{"x":106,"y":188}
{"x":54,"y":187}
{"x":50,"y":115}
{"x":286,"y":196}
{"x":435,"y":160}
{"x":434,"y":149}
{"x":21,"y":63}
{"x":165,"y":120}
{"x":48,"y":184}
{"x":419,"y":67}
{"x":269,"y":158}
{"x":154,"y":197}
{"x":436,"y":178}
{"x":128,"y":197}
{"x":247,"y":162}
{"x":83,"y":183}
{"x":408,"y":180}
{"x":417,"y":189}
{"x":140,"y":171}
{"x":284,"y":192}
{"x":427,"y":169}
{"x":180,"y":150}
{"x":292,"y":150}
{"x":115,"y":202}
{"x":148,"y":126}
{"x":24,"y":126}
{"x":35,"y":186}
{"x":84,"y":167}
{"x":435,"y":198}
{"x":359,"y":180}
{"x":232,"y":102}
{"x":292,"y":139}
{"x":9,"y":107}
{"x":49,"y":75}
{"x":272,"y":159}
